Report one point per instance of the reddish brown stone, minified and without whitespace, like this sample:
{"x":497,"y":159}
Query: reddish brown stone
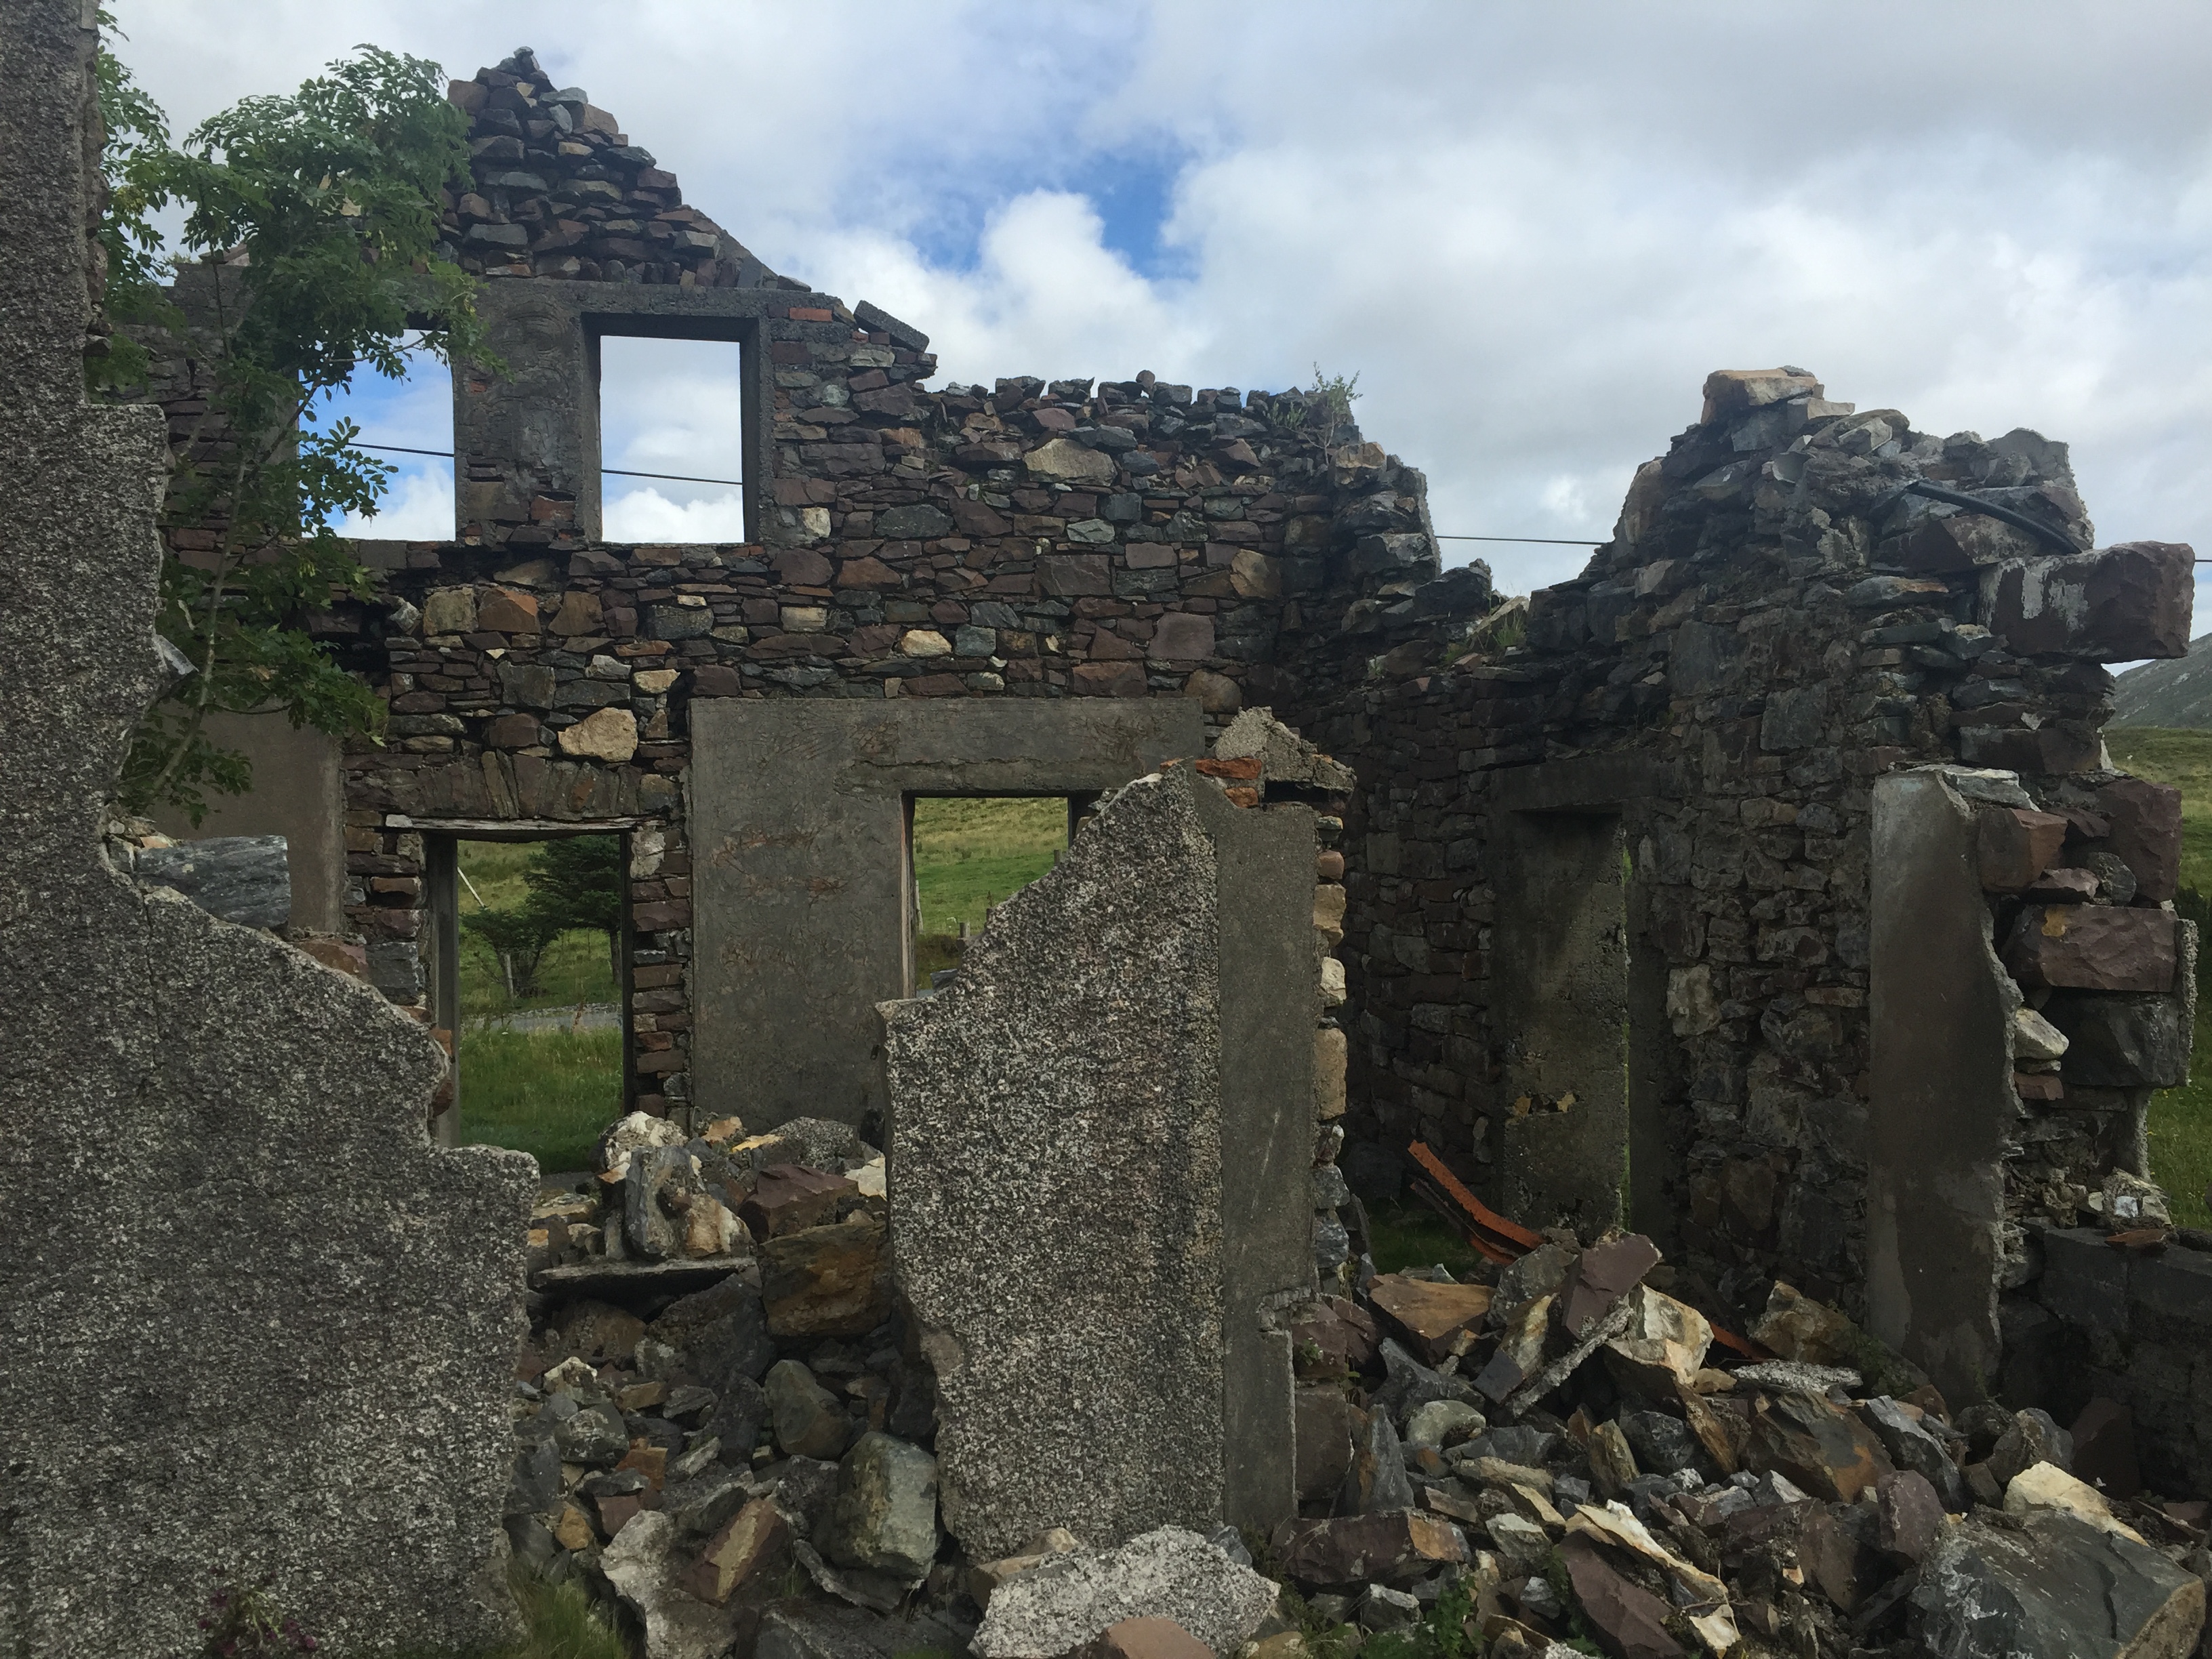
{"x":1430,"y":1314}
{"x":979,"y":518}
{"x":790,"y":1197}
{"x":802,"y":567}
{"x":2063,"y":886}
{"x":1603,"y":1274}
{"x":506,"y":610}
{"x":2093,"y":947}
{"x":1628,"y":1620}
{"x":869,"y":572}
{"x":2129,"y":601}
{"x":514,"y":731}
{"x":1826,"y":1451}
{"x":1110,"y":679}
{"x":615,"y":1512}
{"x":715,"y":679}
{"x":2038,"y":1085}
{"x":1355,"y":1549}
{"x":1244,"y":766}
{"x":827,"y":1281}
{"x":2015,"y":846}
{"x":1069,"y":574}
{"x":1329,"y":867}
{"x":1341,"y":1338}
{"x":1837,"y":1557}
{"x":1908,"y":1517}
{"x":2145,"y":832}
{"x":1181,"y":636}
{"x":1324,"y":1422}
{"x":752,"y":1543}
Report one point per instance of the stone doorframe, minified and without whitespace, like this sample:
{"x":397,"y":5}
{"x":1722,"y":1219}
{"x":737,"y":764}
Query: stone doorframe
{"x":799,"y":815}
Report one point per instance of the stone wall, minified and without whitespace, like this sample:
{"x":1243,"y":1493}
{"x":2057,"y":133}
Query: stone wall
{"x":1773,"y":626}
{"x":259,"y":1325}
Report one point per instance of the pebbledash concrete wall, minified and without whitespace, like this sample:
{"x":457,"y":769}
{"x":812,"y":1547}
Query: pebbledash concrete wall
{"x":256,"y":1324}
{"x":1609,"y":931}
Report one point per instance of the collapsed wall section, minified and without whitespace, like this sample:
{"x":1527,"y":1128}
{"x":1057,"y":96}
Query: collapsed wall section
{"x":1795,"y":602}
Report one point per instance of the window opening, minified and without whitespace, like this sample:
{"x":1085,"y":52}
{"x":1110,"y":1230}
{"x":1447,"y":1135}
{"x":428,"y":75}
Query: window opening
{"x":540,"y":995}
{"x":968,"y":855}
{"x":673,"y":407}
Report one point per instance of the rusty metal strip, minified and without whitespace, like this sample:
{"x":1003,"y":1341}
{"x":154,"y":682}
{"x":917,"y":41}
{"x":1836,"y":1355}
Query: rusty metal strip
{"x":1482,"y":1213}
{"x":1448,"y":1214}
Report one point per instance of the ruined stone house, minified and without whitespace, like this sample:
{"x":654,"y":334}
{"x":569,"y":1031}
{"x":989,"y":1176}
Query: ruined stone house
{"x":1765,"y":888}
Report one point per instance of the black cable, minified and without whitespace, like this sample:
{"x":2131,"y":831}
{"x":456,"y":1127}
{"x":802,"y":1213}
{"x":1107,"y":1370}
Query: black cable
{"x":1935,"y":492}
{"x":618,"y":471}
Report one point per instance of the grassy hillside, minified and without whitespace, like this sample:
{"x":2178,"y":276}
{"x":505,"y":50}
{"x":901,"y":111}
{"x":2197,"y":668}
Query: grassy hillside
{"x":2181,"y":1119}
{"x":971,"y":853}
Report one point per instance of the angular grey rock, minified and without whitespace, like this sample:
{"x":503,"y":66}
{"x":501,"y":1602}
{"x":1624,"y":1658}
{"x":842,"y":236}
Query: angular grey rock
{"x":1410,"y":1385}
{"x":2034,"y":1438}
{"x":2122,"y":1041}
{"x":807,"y":1491}
{"x":643,"y":1563}
{"x":1166,"y":1574}
{"x":808,"y":1422}
{"x":1381,"y":1608}
{"x":1662,"y":1444}
{"x":1064,"y":1105}
{"x":594,"y":1436}
{"x":741,"y":1409}
{"x":335,"y":1304}
{"x":721,"y":1331}
{"x":2053,"y":1587}
{"x":1377,"y":1482}
{"x":885,"y":1516}
{"x":1912,"y":1445}
{"x":660,"y":1186}
{"x":246,"y":879}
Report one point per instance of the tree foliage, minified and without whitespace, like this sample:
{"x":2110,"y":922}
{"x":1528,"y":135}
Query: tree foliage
{"x":574,"y":883}
{"x":308,"y":225}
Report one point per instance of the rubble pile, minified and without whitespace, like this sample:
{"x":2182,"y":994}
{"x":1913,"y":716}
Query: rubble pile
{"x":1578,"y":1454}
{"x":1563,"y":1450}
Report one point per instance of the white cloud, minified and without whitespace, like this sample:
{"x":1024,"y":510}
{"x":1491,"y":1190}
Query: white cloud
{"x":1531,"y":231}
{"x":646,"y":515}
{"x":419,"y":508}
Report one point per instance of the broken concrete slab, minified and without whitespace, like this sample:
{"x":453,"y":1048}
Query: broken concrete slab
{"x":1168,"y":1573}
{"x":1072,"y":1099}
{"x":242,"y":1140}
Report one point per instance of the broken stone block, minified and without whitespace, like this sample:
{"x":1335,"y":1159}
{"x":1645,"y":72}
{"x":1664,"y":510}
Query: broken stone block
{"x":1835,"y":1547}
{"x":2033,"y":1438}
{"x":1443,"y":1422}
{"x":2144,"y":819}
{"x":1628,"y":1620}
{"x":1381,"y":1608}
{"x":2052,"y":1587}
{"x":1661,"y":1444}
{"x":644,"y":1564}
{"x":1167,"y":1573}
{"x":722,"y":1331}
{"x":2013,"y":845}
{"x":827,"y":1281}
{"x":1430,"y":1314}
{"x":2035,"y":1038}
{"x":246,"y":879}
{"x":1737,"y":390}
{"x":808,"y":1421}
{"x":1520,"y":1352}
{"x":1377,"y":1480}
{"x":1912,"y":1446}
{"x":1336,"y":1338}
{"x":1611,"y":1461}
{"x":755,"y":1541}
{"x":1603,"y":1274}
{"x":1664,"y":1348}
{"x":2124,"y":602}
{"x":1410,"y":1385}
{"x":789,"y":1198}
{"x":1797,"y":1327}
{"x":594,"y":1436}
{"x":885,"y":1516}
{"x":2047,"y":1486}
{"x":2126,"y":1042}
{"x":1909,"y":1516}
{"x":1362,"y":1549}
{"x":1817,"y":1445}
{"x":818,"y":1143}
{"x":2093,"y":947}
{"x":1284,"y":757}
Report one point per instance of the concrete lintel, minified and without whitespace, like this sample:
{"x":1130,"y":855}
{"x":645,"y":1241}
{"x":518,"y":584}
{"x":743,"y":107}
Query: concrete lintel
{"x":513,"y":828}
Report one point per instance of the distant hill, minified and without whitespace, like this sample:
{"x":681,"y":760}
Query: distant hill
{"x":2177,"y":692}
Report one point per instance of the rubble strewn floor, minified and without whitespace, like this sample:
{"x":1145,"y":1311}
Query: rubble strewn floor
{"x":1566,"y":1451}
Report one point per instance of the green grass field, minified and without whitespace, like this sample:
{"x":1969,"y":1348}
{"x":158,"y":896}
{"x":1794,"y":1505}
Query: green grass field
{"x":2181,"y":1119}
{"x":971,"y":853}
{"x":547,"y":1093}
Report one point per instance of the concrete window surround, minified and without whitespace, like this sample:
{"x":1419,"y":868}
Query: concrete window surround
{"x":545,"y":404}
{"x":798,"y":812}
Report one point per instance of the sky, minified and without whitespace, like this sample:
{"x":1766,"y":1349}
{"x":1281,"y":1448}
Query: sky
{"x":1529,"y":230}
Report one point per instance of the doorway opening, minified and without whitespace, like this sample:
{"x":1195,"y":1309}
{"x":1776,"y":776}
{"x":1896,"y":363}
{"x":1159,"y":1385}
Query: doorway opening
{"x":532,"y":978}
{"x":966,"y":855}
